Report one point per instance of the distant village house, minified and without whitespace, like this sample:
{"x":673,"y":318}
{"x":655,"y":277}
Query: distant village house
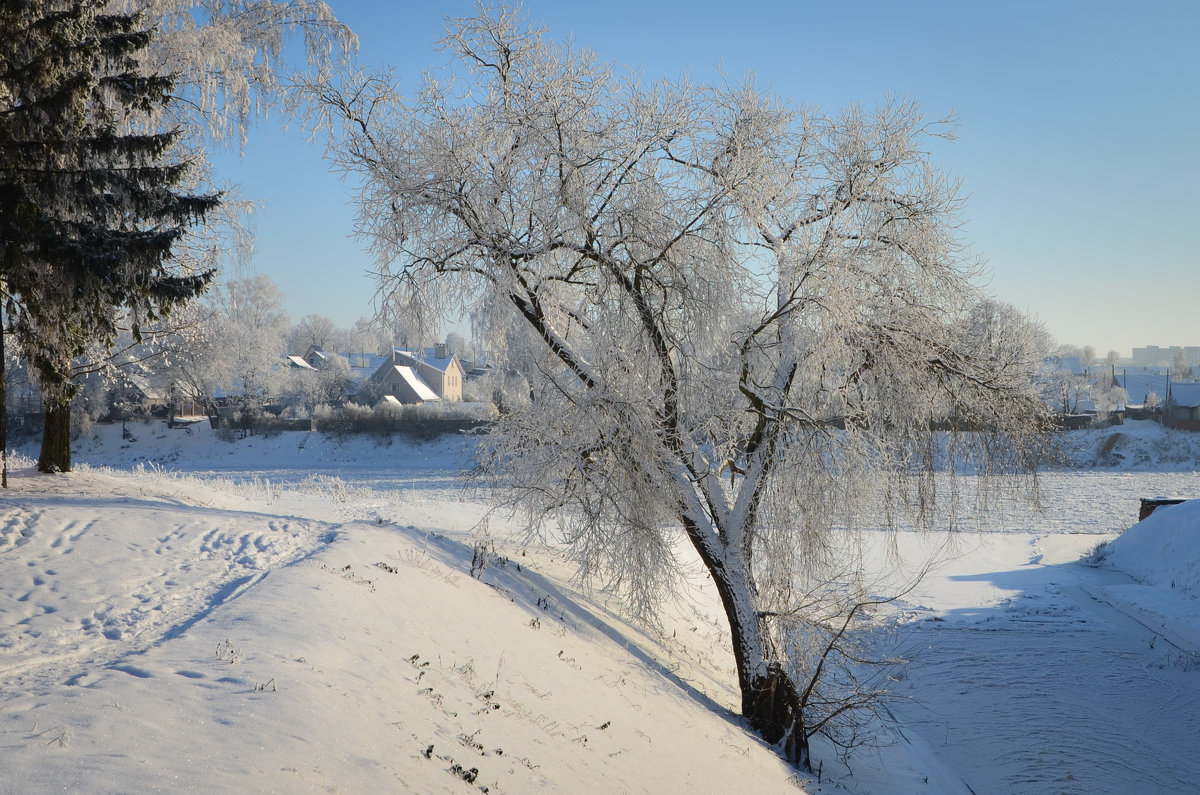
{"x":415,"y":378}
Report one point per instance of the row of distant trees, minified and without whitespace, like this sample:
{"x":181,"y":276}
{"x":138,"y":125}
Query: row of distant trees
{"x":1069,"y":392}
{"x":227,"y":343}
{"x":1086,"y":354}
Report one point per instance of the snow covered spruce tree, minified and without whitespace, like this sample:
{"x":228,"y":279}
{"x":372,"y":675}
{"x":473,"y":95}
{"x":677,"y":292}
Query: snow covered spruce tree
{"x":225,"y":56}
{"x":755,"y":321}
{"x":90,"y":212}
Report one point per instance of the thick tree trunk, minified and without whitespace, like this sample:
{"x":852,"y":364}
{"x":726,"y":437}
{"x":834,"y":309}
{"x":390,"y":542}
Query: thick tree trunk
{"x":770,"y":699}
{"x":772,"y":705}
{"x":56,"y":437}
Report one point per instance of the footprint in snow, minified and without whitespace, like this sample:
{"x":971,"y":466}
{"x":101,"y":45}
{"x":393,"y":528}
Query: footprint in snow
{"x":132,"y":670}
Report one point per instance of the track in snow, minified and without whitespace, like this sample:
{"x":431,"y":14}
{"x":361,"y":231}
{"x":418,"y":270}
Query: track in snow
{"x":87,"y":585}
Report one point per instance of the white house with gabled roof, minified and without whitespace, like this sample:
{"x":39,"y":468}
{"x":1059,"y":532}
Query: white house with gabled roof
{"x":437,"y":368}
{"x":421,"y":377}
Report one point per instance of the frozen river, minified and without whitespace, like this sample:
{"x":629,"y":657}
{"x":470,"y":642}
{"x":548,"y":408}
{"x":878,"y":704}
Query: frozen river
{"x":1089,"y":501}
{"x":1080,"y":501}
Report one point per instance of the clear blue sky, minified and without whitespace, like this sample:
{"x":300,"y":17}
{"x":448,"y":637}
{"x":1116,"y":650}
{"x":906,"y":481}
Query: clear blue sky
{"x":1077,"y":145}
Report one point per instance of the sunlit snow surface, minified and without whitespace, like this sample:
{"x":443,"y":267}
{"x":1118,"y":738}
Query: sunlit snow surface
{"x":296,"y":614}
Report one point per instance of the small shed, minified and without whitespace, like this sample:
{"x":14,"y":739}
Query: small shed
{"x":1183,"y":406}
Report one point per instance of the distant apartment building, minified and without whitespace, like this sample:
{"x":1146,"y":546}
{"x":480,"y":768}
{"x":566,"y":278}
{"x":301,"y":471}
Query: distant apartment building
{"x":1154,"y":356}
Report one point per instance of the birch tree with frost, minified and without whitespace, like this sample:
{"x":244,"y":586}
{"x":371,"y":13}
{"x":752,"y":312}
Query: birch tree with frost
{"x":750,"y":315}
{"x":229,"y":57}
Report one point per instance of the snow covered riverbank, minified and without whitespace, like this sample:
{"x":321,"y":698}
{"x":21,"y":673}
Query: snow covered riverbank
{"x":304,"y":620}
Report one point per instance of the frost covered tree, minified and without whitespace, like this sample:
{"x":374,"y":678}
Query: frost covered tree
{"x":236,"y":338}
{"x":1063,"y":388}
{"x":92,"y":206}
{"x":1179,"y":362}
{"x":749,"y":317}
{"x":368,"y":336}
{"x":251,"y":334}
{"x":195,"y":371}
{"x":229,"y":56}
{"x":308,"y":390}
{"x":1068,"y":351}
{"x":311,"y":330}
{"x":456,"y":343}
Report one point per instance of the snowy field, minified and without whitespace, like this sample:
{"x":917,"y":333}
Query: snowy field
{"x":297,"y":614}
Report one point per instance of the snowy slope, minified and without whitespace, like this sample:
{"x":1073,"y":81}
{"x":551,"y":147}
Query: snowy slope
{"x":1162,"y":554}
{"x":162,"y":634}
{"x":1137,"y":445}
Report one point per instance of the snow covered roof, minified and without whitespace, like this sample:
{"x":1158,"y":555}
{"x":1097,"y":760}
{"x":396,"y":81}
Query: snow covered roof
{"x":432,"y":359}
{"x":415,"y":381}
{"x":439,"y":363}
{"x":365,"y":360}
{"x":428,"y":357}
{"x":1185,"y":394}
{"x":1138,"y":385}
{"x":364,"y":365}
{"x":298,"y":362}
{"x":477,"y":366}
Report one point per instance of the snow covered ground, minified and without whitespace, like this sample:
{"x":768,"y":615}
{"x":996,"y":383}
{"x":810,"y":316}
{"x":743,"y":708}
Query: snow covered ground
{"x":297,"y":614}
